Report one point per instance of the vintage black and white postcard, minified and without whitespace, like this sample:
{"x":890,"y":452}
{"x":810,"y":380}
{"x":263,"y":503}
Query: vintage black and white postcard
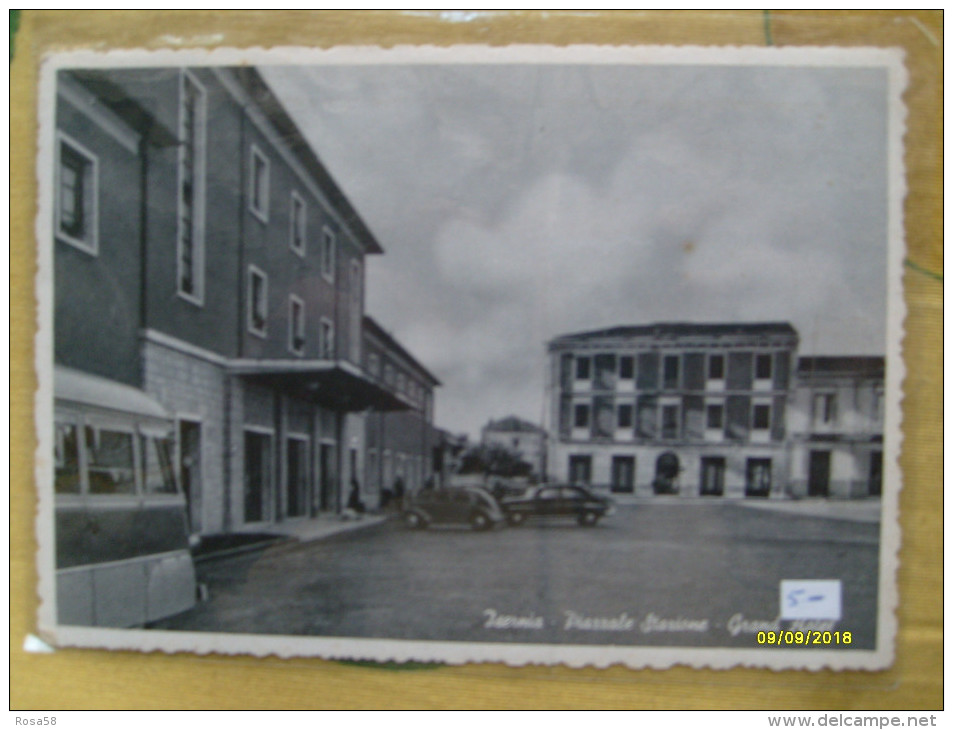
{"x":582,"y":355}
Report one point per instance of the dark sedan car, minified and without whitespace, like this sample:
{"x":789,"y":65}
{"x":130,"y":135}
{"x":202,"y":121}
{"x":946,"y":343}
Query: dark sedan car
{"x":452,"y":505}
{"x":558,"y":500}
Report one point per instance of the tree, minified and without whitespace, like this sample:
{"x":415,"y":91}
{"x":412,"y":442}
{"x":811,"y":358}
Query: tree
{"x":495,"y":460}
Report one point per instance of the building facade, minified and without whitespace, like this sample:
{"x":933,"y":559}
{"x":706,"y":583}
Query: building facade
{"x":673,"y":408}
{"x":520,"y":437}
{"x":836,"y":427}
{"x":204,"y":255}
{"x":402,"y":444}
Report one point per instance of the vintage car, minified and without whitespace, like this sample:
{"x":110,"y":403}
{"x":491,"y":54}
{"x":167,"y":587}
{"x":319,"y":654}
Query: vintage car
{"x":504,"y":488}
{"x":452,"y":505}
{"x":558,"y":500}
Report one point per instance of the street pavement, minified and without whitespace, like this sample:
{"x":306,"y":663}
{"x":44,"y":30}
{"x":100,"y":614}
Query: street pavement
{"x":652,"y":574}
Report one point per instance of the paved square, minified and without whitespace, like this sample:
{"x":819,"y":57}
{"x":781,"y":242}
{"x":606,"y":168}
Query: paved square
{"x":653,"y":574}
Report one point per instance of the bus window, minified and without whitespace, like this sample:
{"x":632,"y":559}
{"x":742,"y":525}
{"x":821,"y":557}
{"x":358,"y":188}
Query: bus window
{"x":157,"y":477}
{"x":67,"y":459}
{"x":111,"y":461}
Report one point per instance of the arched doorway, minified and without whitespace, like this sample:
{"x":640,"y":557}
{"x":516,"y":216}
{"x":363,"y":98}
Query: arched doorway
{"x":667,"y":468}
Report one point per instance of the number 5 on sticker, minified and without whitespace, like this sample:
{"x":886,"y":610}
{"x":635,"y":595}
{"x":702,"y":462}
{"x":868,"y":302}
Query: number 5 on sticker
{"x":811,"y":599}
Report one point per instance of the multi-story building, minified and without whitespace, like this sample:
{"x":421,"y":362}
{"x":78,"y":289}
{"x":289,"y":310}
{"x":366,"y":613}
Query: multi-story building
{"x":522,"y":438}
{"x":694,"y":409}
{"x":835,"y":427}
{"x":401,"y":444}
{"x":205,"y":256}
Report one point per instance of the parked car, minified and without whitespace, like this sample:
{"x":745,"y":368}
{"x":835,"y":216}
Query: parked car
{"x":504,"y":488}
{"x":558,"y":500}
{"x":453,"y":505}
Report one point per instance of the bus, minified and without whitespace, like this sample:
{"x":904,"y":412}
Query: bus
{"x":120,"y":519}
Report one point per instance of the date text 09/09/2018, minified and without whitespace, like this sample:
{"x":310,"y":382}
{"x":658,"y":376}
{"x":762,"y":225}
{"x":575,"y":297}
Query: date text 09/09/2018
{"x":794,"y":638}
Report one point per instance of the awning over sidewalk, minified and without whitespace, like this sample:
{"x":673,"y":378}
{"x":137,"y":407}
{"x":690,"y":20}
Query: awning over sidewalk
{"x":335,"y":384}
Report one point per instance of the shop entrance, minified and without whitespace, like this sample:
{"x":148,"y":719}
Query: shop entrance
{"x":758,"y":478}
{"x":326,"y":488}
{"x":819,"y":474}
{"x":667,"y":468}
{"x":713,"y":476}
{"x":296,"y":489}
{"x":623,"y":474}
{"x":258,"y":470}
{"x":190,"y":471}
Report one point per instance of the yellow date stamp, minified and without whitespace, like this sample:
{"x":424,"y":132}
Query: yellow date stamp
{"x":805,"y":638}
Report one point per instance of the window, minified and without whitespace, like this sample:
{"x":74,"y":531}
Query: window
{"x":582,"y":368}
{"x":761,"y":417}
{"x":327,"y":339}
{"x":257,"y":301}
{"x":295,"y":325}
{"x":716,"y":367}
{"x":624,"y":416}
{"x":626,"y":367}
{"x":328,"y":246}
{"x":67,"y":459}
{"x":580,"y":470}
{"x":670,"y":372}
{"x":669,"y":422}
{"x":715,"y":416}
{"x":157,"y":472}
{"x":389,"y":374}
{"x":877,"y":404}
{"x":581,"y":415}
{"x":762,"y":367}
{"x":111,"y":461}
{"x":118,"y":461}
{"x":604,"y":371}
{"x":875,"y":474}
{"x":259,"y":184}
{"x":825,"y":407}
{"x":191,"y":202}
{"x":76,"y":196}
{"x":374,"y":364}
{"x":299,"y":215}
{"x":355,"y":308}
{"x":400,"y":383}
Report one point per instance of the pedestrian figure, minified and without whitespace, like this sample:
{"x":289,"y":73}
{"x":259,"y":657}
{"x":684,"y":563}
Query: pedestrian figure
{"x":399,"y":493}
{"x":429,"y":484}
{"x":354,"y":501}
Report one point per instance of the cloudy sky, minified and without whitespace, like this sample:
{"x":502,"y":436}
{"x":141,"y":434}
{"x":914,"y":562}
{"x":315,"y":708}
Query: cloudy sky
{"x":518,"y":202}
